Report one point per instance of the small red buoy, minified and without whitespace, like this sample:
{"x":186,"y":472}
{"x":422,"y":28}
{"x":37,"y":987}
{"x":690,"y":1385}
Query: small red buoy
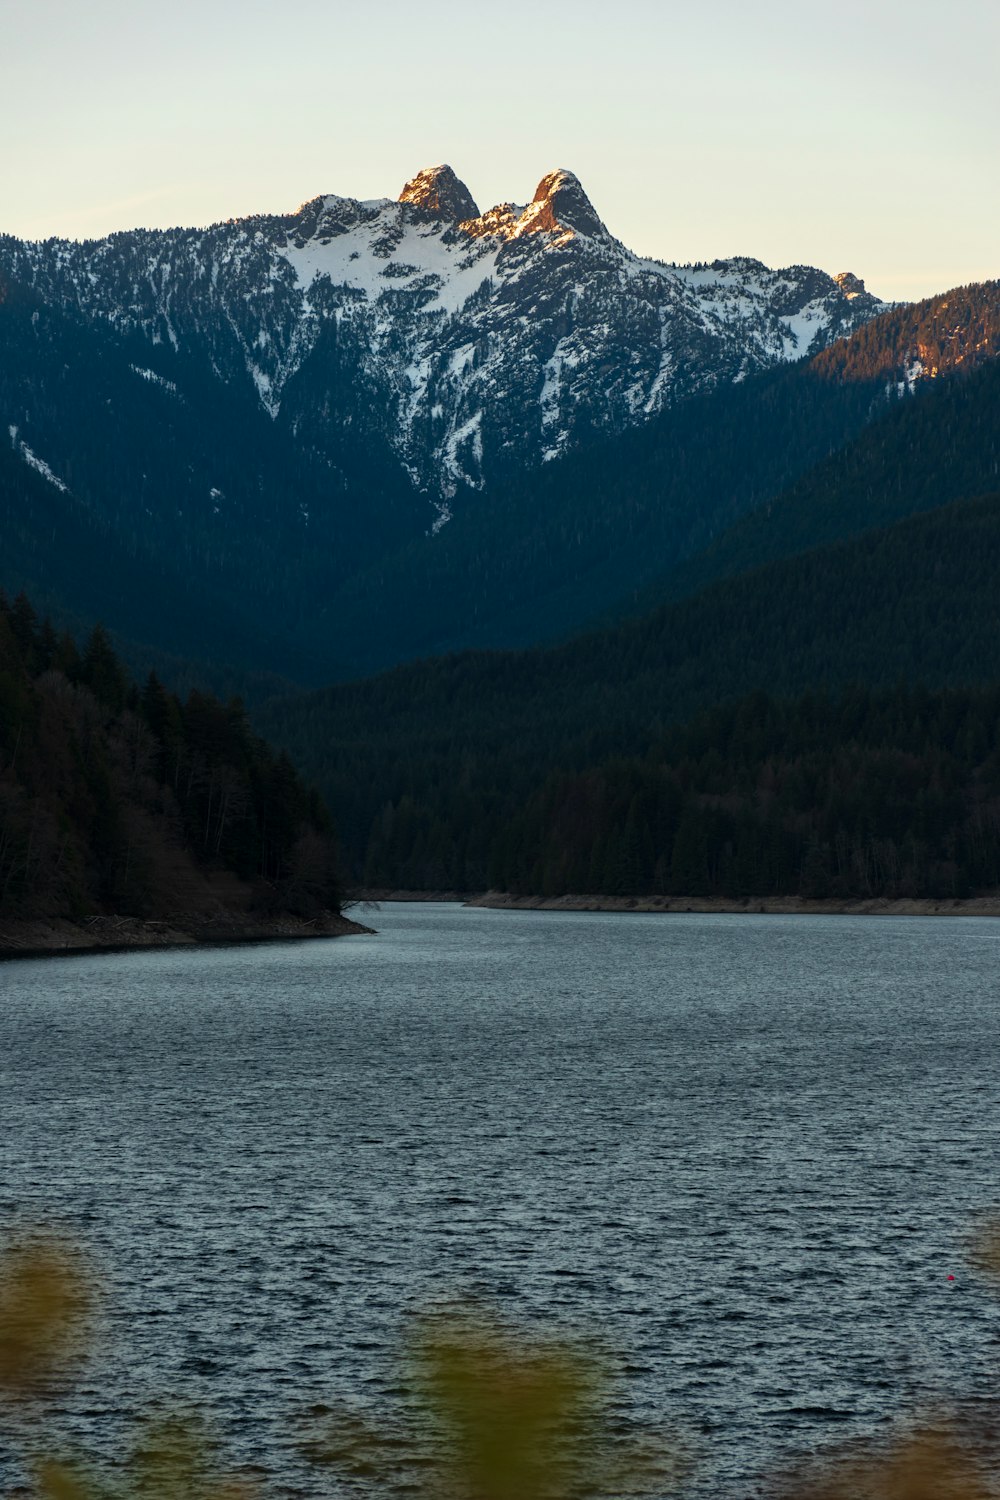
{"x":951,"y":1278}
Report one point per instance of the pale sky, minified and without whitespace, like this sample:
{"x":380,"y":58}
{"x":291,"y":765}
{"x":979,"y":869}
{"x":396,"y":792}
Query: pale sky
{"x":852,"y":136}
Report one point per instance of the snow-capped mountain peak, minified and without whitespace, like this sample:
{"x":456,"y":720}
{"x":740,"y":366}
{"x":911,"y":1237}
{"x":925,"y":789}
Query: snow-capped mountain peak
{"x":560,"y":204}
{"x":457,"y":339}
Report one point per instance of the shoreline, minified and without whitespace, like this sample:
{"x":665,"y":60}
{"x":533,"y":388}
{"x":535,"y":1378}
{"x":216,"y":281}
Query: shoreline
{"x":44,"y":936}
{"x":783,"y":906}
{"x":375,"y":898}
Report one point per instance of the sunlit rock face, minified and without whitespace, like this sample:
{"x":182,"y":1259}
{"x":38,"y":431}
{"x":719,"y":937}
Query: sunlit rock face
{"x":439,"y":191}
{"x":852,"y":286}
{"x":461,"y":340}
{"x":559,"y":206}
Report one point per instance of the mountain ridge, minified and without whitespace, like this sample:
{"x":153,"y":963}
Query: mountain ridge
{"x":459,"y":339}
{"x":188,"y":500}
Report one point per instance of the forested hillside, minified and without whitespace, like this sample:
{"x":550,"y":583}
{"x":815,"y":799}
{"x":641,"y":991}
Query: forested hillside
{"x":120,"y":800}
{"x":954,"y":330}
{"x":76,"y":573}
{"x":428,"y":765}
{"x":900,"y":417}
{"x":923,"y":452}
{"x":545,"y":552}
{"x":890,"y":794}
{"x":137,"y":488}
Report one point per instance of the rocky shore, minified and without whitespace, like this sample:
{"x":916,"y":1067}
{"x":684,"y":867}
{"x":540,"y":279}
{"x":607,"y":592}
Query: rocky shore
{"x":27,"y":938}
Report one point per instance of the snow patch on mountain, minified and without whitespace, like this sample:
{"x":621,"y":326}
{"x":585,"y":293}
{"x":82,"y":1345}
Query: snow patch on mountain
{"x":914,"y":372}
{"x":21,"y":448}
{"x":458,"y":338}
{"x":805,"y":330}
{"x":154,"y":379}
{"x":388,"y":256}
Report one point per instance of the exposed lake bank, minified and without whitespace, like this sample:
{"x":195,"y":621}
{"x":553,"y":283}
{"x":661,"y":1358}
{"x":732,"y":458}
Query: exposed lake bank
{"x":785,"y":906}
{"x":40,"y":936}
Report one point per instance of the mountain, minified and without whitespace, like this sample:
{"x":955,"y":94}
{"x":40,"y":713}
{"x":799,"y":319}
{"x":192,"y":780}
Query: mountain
{"x":209,"y":527}
{"x":429,"y":764}
{"x":900,"y":416}
{"x":318,"y":444}
{"x":249,"y":437}
{"x":451,"y":339}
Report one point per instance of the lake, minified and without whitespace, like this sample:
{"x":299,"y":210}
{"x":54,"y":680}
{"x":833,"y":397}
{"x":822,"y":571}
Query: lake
{"x":742,"y":1150}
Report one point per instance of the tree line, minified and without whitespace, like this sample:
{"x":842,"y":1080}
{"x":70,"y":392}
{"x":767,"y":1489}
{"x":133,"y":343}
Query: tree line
{"x":857,"y":795}
{"x":116,"y":798}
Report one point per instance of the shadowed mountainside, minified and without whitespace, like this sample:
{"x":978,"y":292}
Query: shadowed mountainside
{"x":430,"y":763}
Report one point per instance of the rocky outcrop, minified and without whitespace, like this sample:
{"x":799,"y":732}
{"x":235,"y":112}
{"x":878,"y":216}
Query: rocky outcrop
{"x":440,"y":192}
{"x":560,"y":205}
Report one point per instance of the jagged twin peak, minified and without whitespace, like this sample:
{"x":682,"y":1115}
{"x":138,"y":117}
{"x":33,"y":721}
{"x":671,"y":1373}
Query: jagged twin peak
{"x":560,"y":205}
{"x":459,"y":339}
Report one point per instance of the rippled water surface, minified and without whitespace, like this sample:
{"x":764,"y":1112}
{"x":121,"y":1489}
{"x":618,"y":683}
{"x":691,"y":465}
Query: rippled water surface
{"x":745,"y":1150}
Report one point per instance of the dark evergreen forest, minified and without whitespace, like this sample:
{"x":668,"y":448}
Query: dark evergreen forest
{"x":942,"y":444}
{"x":116,"y":799}
{"x":432,"y":766}
{"x":893,"y":794}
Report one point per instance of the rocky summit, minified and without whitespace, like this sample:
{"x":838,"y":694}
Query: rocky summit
{"x":455,"y":339}
{"x":439,"y":191}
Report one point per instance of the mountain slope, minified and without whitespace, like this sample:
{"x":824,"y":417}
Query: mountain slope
{"x":898,"y":417}
{"x":270,"y":421}
{"x":209,"y":528}
{"x":455,"y":338}
{"x":166,"y":506}
{"x":78,"y":573}
{"x":550,"y":550}
{"x":436,"y":758}
{"x":912,"y":456}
